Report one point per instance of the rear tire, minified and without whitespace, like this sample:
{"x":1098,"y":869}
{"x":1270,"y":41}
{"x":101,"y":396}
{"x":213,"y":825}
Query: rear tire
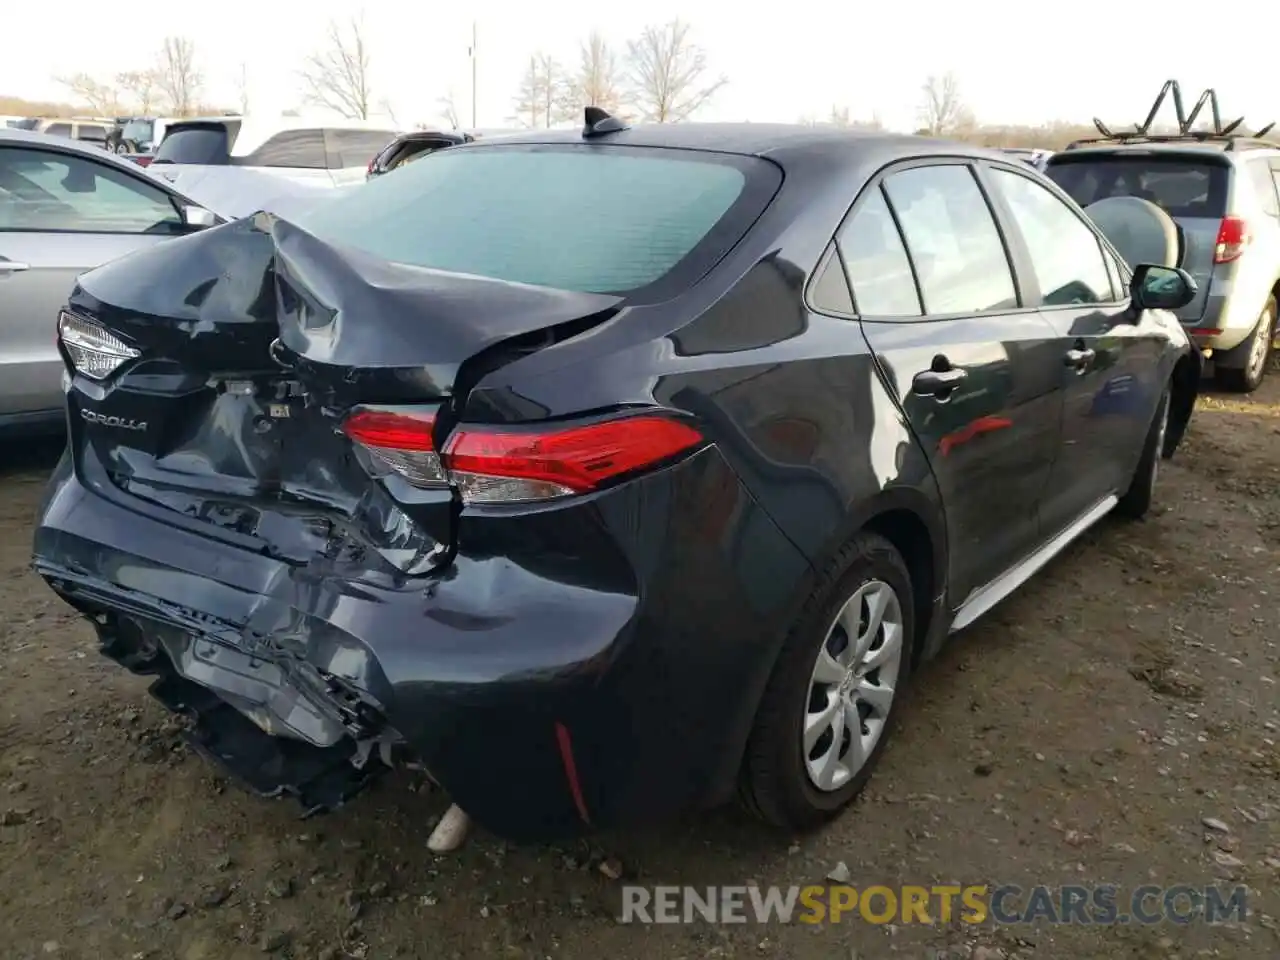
{"x":1257,"y":351}
{"x":1137,"y":499}
{"x":796,"y":788}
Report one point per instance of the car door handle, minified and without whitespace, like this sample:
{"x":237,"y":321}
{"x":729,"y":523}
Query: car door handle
{"x":1078,"y":358}
{"x":13,"y":266}
{"x":937,"y":383}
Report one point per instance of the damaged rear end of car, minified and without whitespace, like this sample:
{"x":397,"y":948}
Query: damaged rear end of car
{"x":268,"y":414}
{"x":266,"y":488}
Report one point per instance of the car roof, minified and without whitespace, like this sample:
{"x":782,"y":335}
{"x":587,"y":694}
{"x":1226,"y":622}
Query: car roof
{"x":44,"y":141}
{"x":786,"y":144}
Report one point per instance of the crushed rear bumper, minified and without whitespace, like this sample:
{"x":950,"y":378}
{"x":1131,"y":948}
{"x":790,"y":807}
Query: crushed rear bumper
{"x":548,"y":682}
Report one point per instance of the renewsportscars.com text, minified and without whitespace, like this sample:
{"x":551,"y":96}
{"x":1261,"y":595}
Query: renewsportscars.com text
{"x":975,"y":904}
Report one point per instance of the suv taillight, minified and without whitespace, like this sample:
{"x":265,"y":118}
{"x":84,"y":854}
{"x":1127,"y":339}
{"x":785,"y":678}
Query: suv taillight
{"x":517,"y":464}
{"x":1233,"y":237}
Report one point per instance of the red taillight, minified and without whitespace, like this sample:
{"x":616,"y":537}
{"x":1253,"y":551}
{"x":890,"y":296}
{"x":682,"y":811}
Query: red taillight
{"x":1233,"y":237}
{"x":144,"y":161}
{"x":507,"y":466}
{"x":402,"y":441}
{"x":499,"y":466}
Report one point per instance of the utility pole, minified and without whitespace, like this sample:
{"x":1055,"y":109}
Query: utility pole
{"x":473,"y":75}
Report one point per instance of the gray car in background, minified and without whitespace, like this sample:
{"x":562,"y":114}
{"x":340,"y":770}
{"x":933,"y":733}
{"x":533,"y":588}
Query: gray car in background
{"x":1222,"y":189}
{"x":65,"y":208}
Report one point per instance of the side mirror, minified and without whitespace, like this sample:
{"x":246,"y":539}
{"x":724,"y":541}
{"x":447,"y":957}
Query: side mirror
{"x":197,"y":218}
{"x":1161,"y":288}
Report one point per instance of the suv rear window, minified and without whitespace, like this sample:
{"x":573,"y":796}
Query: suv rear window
{"x":205,"y":143}
{"x":586,"y":218}
{"x":1181,"y":186}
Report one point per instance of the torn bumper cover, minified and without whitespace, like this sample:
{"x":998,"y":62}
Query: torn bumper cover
{"x":545,"y":697}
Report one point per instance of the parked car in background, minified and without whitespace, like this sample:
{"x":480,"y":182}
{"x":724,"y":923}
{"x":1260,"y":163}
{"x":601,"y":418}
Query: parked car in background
{"x":93,"y":130}
{"x":217,"y":153}
{"x":650,"y":461}
{"x":419,"y":143}
{"x":413,"y":146}
{"x":138,"y":135}
{"x":1034,"y":156}
{"x":64,"y":208}
{"x":1222,"y":191}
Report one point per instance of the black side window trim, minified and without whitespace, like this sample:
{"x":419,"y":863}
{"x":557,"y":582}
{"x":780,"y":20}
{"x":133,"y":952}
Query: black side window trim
{"x":1121,"y":296}
{"x":1018,"y":265}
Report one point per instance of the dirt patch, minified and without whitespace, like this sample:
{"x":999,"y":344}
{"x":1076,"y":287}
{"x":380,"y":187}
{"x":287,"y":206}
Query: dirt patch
{"x":1086,"y":732}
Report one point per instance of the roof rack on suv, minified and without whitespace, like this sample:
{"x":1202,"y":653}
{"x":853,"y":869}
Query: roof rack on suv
{"x":1220,"y":133}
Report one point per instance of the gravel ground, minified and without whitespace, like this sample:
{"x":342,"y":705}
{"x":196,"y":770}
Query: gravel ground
{"x":1082,"y":733}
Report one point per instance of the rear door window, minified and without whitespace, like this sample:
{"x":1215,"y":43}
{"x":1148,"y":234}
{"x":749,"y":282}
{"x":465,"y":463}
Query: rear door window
{"x":953,"y":239}
{"x":1065,"y":253}
{"x":879,"y":271}
{"x":1181,"y":186}
{"x":58,"y":129}
{"x":355,"y":148}
{"x":200,"y":143}
{"x":298,"y":149}
{"x":601,"y":219}
{"x":47,"y":192}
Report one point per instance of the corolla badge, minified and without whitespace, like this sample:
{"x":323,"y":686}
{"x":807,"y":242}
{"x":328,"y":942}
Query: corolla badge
{"x":121,"y":423}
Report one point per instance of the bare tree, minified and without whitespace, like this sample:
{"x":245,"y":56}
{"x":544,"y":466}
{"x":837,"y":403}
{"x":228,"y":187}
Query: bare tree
{"x":449,"y":110}
{"x":668,"y":73}
{"x":142,"y":87}
{"x":598,"y":81}
{"x":101,"y":98}
{"x":242,"y":88}
{"x":540,"y":101}
{"x":943,"y":109}
{"x":177,"y":76}
{"x":337,"y":76}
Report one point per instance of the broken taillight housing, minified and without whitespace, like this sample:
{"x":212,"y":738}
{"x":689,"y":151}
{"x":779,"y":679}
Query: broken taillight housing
{"x":508,"y":465}
{"x":94,"y":351}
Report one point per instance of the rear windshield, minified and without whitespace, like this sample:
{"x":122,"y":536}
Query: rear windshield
{"x":206,"y":143}
{"x":139,"y":131}
{"x":29,"y":123}
{"x":1181,"y":186}
{"x":586,"y":218}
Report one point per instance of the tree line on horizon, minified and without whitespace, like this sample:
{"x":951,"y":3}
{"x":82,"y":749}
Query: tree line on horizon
{"x":663,"y":75}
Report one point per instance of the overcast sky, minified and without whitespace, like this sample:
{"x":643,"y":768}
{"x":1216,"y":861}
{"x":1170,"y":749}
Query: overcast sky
{"x":1017,"y":62}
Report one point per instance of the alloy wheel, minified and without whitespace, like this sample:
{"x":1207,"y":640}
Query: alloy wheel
{"x":853,"y":684}
{"x":1258,"y":349}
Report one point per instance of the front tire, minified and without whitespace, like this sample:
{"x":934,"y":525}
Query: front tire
{"x":829,"y":707}
{"x":1249,"y":377}
{"x":1137,"y":499}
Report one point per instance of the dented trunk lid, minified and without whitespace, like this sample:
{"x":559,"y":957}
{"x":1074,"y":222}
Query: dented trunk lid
{"x":255,"y":340}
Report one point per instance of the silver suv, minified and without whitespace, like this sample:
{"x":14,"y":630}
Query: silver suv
{"x":1223,"y":192}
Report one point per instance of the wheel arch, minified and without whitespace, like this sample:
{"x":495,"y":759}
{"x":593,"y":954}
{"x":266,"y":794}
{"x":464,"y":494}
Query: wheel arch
{"x":914,"y":524}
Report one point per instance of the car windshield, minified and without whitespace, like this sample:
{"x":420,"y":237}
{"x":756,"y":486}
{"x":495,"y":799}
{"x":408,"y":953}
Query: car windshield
{"x":30,"y":123}
{"x":139,"y":131}
{"x":592,"y":219}
{"x":1181,"y":186}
